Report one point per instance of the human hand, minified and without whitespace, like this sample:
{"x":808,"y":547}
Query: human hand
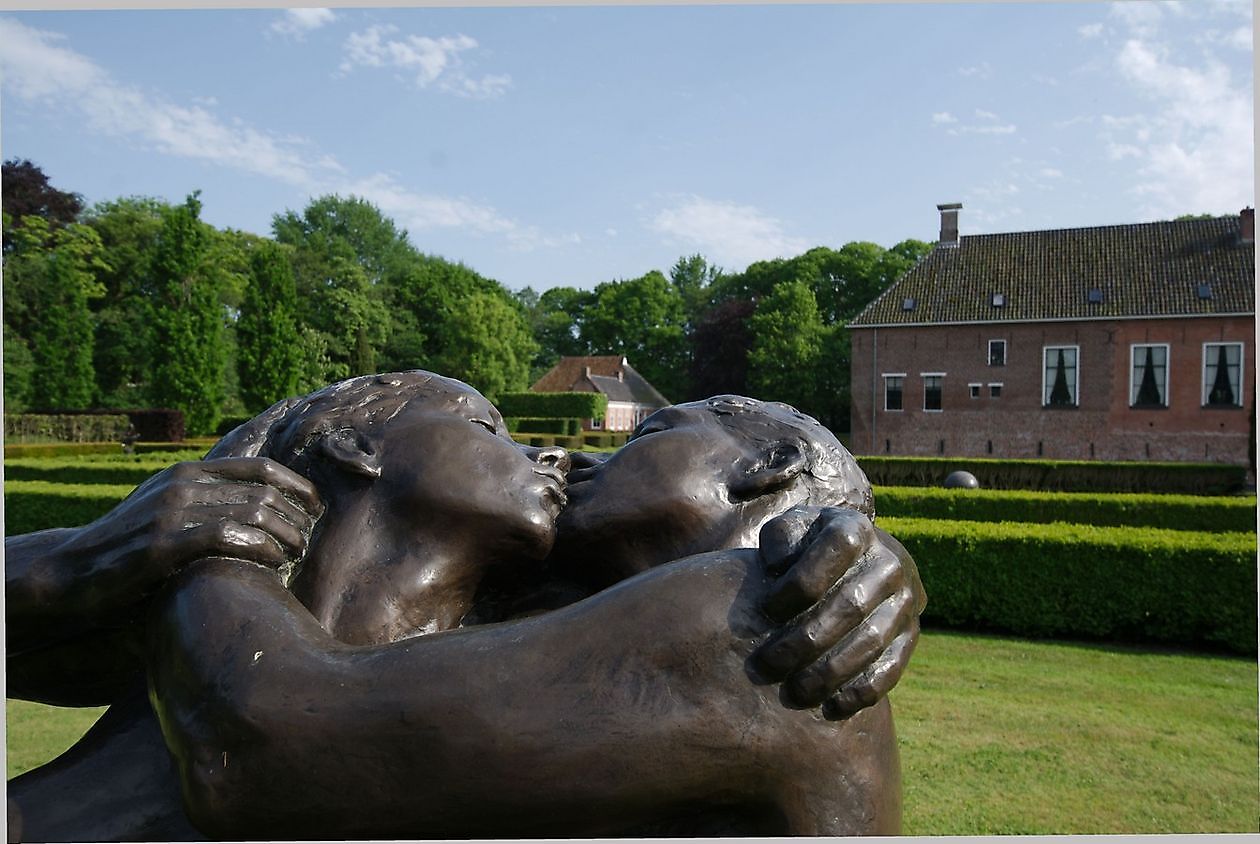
{"x":849,"y":597}
{"x":246,"y":508}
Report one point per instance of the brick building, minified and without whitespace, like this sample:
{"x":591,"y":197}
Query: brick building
{"x":631,"y":398}
{"x":1123,"y":342}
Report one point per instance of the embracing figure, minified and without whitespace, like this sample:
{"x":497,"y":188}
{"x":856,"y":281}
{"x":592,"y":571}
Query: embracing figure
{"x":316,"y":682}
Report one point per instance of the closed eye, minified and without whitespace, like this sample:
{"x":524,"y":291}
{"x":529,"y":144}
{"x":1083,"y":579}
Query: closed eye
{"x":489,"y":426}
{"x":645,"y":430}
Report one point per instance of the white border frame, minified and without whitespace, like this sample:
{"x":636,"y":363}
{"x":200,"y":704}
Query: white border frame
{"x":1006,"y":349}
{"x":1242,"y":380}
{"x":902,"y":376}
{"x":977,"y":386}
{"x":1044,"y":349}
{"x":1133,"y":347}
{"x":923,"y":376}
{"x":1001,"y":385}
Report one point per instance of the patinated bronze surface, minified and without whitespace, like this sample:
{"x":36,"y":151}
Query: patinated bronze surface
{"x":305,"y":659}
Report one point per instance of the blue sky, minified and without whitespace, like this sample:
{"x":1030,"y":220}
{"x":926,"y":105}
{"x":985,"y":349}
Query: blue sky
{"x":573,"y":145}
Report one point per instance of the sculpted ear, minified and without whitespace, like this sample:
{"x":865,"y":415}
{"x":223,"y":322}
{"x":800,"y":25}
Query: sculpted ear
{"x":779,"y":467}
{"x":351,"y":452}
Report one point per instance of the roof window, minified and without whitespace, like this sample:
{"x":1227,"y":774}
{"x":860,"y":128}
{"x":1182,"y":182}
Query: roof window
{"x":998,"y":300}
{"x":907,"y":304}
{"x":1094,"y":296}
{"x":1204,"y":290}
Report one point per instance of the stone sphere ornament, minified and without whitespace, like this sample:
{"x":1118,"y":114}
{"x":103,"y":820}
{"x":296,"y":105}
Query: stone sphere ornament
{"x":961,"y":480}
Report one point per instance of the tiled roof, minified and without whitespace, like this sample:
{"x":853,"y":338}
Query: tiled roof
{"x":1140,"y":270}
{"x":569,"y":375}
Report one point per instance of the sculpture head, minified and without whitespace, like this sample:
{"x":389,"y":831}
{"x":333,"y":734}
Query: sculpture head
{"x":417,"y":473}
{"x":704,"y":476}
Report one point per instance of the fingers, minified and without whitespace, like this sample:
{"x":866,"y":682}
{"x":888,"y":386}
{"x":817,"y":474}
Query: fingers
{"x":858,"y":650}
{"x":825,"y":625}
{"x":876,"y":681}
{"x":261,"y":470}
{"x":837,"y":540}
{"x":226,"y":538}
{"x":783,"y":538}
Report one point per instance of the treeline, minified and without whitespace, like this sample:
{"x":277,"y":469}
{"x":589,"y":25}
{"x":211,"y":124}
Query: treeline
{"x":139,"y":303}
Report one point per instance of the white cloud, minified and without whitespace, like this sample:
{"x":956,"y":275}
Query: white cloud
{"x":992,"y":124}
{"x":1195,"y":150}
{"x":432,"y":61}
{"x":728,"y":233}
{"x":1091,"y":30}
{"x":297,"y":22}
{"x":981,"y":71}
{"x":1051,"y":173}
{"x":36,"y":68}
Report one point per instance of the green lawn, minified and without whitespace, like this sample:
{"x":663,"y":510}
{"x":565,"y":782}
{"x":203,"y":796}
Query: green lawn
{"x":1002,"y":735}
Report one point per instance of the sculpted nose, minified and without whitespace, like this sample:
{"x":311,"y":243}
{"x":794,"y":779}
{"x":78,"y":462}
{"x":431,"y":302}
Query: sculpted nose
{"x":548,"y":456}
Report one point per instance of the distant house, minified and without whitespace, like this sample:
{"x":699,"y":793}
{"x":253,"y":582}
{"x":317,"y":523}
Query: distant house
{"x":1121,"y":342}
{"x":630,"y":397}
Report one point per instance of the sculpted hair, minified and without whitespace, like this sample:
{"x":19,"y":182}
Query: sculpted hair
{"x":286,"y":431}
{"x":832,"y":477}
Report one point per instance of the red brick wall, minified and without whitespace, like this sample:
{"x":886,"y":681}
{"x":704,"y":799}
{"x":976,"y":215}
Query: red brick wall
{"x":1103,"y":426}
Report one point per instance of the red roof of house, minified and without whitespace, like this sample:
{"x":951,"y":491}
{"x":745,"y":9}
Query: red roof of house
{"x":611,"y":375}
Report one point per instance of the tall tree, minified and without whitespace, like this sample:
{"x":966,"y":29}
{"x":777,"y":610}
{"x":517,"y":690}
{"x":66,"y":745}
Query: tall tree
{"x":787,"y":337}
{"x":269,"y":343}
{"x":643,"y":319}
{"x":557,"y":317}
{"x":49,"y":281}
{"x":495,"y":349}
{"x":26,"y":192}
{"x":188,"y":321}
{"x":129,"y":230}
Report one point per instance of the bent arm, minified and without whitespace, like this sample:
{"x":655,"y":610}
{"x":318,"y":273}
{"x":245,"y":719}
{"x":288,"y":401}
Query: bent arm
{"x":612,"y":711}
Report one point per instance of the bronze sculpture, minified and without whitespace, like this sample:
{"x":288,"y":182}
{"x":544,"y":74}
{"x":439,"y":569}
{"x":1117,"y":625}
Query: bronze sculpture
{"x":632,"y":677}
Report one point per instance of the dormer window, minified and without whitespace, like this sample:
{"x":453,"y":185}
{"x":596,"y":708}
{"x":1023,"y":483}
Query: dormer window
{"x":907,"y":304}
{"x":1094,"y":296}
{"x":1204,"y":290}
{"x":998,"y":300}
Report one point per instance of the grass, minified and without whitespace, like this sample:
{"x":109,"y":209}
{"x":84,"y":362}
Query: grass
{"x":1003,"y":735}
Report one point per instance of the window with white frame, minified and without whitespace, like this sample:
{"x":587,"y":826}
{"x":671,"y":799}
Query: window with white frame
{"x":974,"y":389}
{"x":933,"y":384}
{"x":995,"y":390}
{"x":1148,"y":375}
{"x":1222,"y":374}
{"x":997,"y":353}
{"x":893,"y":385}
{"x":1059,"y":378}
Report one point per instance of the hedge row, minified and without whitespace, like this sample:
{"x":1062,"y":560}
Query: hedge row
{"x":201,"y":446}
{"x":65,"y":427}
{"x":581,"y":405}
{"x":153,"y":424}
{"x":587,"y":439}
{"x":36,"y":505}
{"x":569,"y":426}
{"x":1060,"y":475}
{"x":133,"y":469}
{"x":1086,"y":582}
{"x":1174,"y":512}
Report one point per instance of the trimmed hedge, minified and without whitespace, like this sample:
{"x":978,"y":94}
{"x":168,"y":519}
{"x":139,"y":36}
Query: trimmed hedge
{"x":569,"y":426}
{"x":581,"y":405}
{"x":136,"y":470}
{"x":37,"y":505}
{"x":65,"y":427}
{"x":1060,"y":475}
{"x":153,"y":424}
{"x":201,"y":446}
{"x":1086,"y":582}
{"x":1174,"y":512}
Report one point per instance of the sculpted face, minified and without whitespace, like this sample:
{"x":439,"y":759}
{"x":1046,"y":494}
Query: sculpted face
{"x":668,"y":493}
{"x":447,"y":460}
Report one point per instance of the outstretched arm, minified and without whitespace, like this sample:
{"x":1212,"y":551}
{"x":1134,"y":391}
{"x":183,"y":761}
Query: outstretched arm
{"x":576,"y":722}
{"x":74,"y":596}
